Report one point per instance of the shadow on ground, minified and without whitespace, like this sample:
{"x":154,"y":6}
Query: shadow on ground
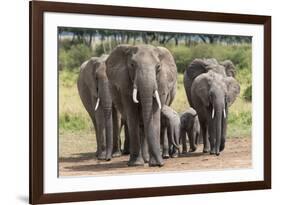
{"x":79,"y":157}
{"x":103,"y":166}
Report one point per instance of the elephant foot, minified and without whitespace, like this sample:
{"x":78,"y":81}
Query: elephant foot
{"x":175,"y":155}
{"x":145,"y":158}
{"x":154,"y":163}
{"x":116,"y":154}
{"x":221,"y":148}
{"x":135,"y":161}
{"x":193,"y":149}
{"x":166,"y":156}
{"x":101,"y":156}
{"x":212,"y":152}
{"x":205,"y":150}
{"x":184,"y":152}
{"x":217,"y":154}
{"x":125,"y":152}
{"x":108,"y":157}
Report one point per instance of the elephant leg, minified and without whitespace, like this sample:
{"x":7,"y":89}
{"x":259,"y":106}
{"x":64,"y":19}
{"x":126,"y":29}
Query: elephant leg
{"x":96,"y":133}
{"x":126,"y":149}
{"x":144,"y":146}
{"x":174,"y":150}
{"x":108,"y":132}
{"x":116,"y":120}
{"x":154,"y":141}
{"x":212,"y":138}
{"x":135,"y":142}
{"x":197,"y":138}
{"x":99,"y":118}
{"x":165,"y":143}
{"x":183,"y":139}
{"x":205,"y":137}
{"x":191,"y":137}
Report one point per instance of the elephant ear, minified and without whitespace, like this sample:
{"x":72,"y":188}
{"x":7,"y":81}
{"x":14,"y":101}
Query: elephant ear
{"x":166,"y":80}
{"x":88,"y":74}
{"x":233,"y":90}
{"x":229,"y":68}
{"x":200,"y":89}
{"x":117,"y":65}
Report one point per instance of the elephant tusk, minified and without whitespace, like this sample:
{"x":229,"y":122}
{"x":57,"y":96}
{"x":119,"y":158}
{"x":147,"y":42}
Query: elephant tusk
{"x":97,"y":104}
{"x":135,"y":91}
{"x":213,"y":113}
{"x":224,"y":114}
{"x":157,"y":99}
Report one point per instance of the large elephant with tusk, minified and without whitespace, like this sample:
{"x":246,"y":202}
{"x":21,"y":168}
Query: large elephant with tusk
{"x":142,"y":79}
{"x":197,"y":67}
{"x":211,"y":95}
{"x":95,"y":95}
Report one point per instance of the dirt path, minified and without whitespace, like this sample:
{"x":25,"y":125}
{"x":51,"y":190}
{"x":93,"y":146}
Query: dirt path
{"x":237,"y":154}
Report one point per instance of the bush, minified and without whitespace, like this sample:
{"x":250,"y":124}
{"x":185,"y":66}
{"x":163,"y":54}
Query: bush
{"x":240,"y":55}
{"x":72,"y":58}
{"x":72,"y":122}
{"x":240,"y":118}
{"x":68,"y":78}
{"x":182,"y":56}
{"x":248,"y":93}
{"x":202,"y":50}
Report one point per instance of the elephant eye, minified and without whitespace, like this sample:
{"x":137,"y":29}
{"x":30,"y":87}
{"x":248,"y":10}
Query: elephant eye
{"x":133,"y":64}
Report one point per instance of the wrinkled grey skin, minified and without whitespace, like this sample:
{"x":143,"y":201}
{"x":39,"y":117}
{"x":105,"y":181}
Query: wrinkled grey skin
{"x":170,"y":126}
{"x":147,"y":69}
{"x":199,"y":66}
{"x":190,"y":126}
{"x":211,"y":95}
{"x":93,"y":84}
{"x":196,"y":68}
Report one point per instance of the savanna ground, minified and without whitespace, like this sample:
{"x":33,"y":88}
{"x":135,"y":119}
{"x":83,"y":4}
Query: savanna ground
{"x":77,"y":143}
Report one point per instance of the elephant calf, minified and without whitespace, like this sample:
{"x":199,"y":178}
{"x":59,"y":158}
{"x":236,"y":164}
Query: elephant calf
{"x":95,"y":95}
{"x":189,"y":125}
{"x":170,"y":132}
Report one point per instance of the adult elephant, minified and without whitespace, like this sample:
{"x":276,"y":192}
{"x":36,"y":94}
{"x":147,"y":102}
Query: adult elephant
{"x":199,"y":66}
{"x":142,"y":79}
{"x":211,"y":95}
{"x":196,"y":68}
{"x":95,"y":95}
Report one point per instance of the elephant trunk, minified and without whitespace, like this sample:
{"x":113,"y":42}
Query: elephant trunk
{"x":219,"y":126}
{"x":147,"y":88}
{"x":152,"y":130}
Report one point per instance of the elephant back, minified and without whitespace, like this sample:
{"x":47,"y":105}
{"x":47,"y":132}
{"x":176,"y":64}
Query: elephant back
{"x":200,"y":66}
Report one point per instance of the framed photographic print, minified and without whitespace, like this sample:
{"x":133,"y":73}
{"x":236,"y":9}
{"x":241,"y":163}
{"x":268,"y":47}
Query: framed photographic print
{"x":134,"y":102}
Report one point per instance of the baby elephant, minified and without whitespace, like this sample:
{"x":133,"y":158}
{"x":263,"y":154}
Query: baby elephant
{"x":170,"y":132}
{"x":189,"y":125}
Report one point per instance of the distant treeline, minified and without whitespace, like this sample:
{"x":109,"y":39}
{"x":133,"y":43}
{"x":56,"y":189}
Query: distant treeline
{"x":90,"y":36}
{"x":78,"y":44}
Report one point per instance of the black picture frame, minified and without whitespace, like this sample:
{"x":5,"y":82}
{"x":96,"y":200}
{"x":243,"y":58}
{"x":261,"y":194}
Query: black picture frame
{"x":37,"y":9}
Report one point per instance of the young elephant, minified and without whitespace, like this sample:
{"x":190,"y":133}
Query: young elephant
{"x":170,"y":132}
{"x":94,"y":93}
{"x":189,"y":125}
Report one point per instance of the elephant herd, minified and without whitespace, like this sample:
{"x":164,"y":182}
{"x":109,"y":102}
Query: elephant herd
{"x":134,"y":86}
